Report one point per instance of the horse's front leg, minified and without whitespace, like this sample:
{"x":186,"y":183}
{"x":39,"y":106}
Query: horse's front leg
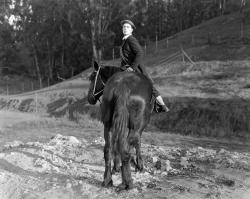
{"x":107,"y":157}
{"x":117,"y":162}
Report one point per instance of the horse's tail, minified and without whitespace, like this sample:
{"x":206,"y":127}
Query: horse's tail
{"x":120,"y":124}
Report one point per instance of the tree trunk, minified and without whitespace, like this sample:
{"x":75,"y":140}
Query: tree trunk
{"x":93,"y":31}
{"x":72,"y":72}
{"x":93,"y":39}
{"x":243,"y":3}
{"x":99,"y":51}
{"x":222,"y":6}
{"x":37,"y":67}
{"x":63,"y":48}
{"x":50,"y":66}
{"x":181,"y":16}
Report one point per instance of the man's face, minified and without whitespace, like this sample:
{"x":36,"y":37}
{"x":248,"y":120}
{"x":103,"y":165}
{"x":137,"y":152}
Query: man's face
{"x":127,"y":29}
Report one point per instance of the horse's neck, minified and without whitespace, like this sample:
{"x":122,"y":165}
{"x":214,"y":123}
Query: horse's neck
{"x":109,"y":71}
{"x":115,"y":70}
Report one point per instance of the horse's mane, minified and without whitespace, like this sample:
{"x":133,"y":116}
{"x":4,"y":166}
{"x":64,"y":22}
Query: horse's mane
{"x":106,"y":72}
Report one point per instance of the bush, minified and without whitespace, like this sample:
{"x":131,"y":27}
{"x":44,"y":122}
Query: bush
{"x":205,"y":117}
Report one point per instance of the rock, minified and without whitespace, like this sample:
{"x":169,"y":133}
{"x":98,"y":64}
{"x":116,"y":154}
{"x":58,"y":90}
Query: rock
{"x":68,"y":185}
{"x":64,"y":140}
{"x":99,"y":140}
{"x":163,"y":165}
{"x":151,"y":185}
{"x":25,"y":191}
{"x":222,"y":151}
{"x":168,"y":166}
{"x":54,"y":179}
{"x":164,"y":173}
{"x":155,"y":158}
{"x":73,"y":140}
{"x":230,"y":162}
{"x":188,"y":153}
{"x":13,"y":144}
{"x":158,"y":165}
{"x":157,"y":172}
{"x":56,"y":169}
{"x":184,"y":162}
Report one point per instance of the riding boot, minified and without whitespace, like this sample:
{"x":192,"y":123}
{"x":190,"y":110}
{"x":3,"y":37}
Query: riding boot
{"x":160,"y":102}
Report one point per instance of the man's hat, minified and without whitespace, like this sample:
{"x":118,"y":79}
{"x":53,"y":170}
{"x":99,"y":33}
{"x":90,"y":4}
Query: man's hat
{"x":129,"y":22}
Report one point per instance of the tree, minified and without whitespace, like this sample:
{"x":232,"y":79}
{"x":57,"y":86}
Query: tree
{"x":102,"y":14}
{"x":51,"y":38}
{"x":52,"y":33}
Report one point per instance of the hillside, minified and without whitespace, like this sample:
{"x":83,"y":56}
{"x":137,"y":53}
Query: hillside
{"x":51,"y":139}
{"x":223,"y":38}
{"x":210,"y":97}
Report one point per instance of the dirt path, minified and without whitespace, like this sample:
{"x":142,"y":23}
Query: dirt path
{"x":43,"y":157}
{"x":8,"y":118}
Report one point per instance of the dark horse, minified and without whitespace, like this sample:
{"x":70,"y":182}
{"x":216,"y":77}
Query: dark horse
{"x":125,"y":111}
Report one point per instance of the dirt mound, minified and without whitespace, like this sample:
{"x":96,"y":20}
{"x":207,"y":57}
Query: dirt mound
{"x":67,"y":167}
{"x":65,"y":157}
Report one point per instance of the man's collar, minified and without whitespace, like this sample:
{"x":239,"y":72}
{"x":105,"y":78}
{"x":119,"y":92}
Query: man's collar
{"x":126,"y":36}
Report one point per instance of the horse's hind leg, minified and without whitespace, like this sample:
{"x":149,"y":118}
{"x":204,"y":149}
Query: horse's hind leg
{"x":139,"y":161}
{"x":134,"y":139}
{"x":107,"y":156}
{"x":125,"y":169}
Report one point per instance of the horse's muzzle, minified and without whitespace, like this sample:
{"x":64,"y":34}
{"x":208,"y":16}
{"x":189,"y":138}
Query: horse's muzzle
{"x":91,"y":99}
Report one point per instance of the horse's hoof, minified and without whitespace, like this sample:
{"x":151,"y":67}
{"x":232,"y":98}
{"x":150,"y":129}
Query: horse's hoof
{"x":139,"y":166}
{"x":116,"y":170}
{"x":139,"y":169}
{"x":122,"y":187}
{"x":107,"y":184}
{"x":133,"y":162}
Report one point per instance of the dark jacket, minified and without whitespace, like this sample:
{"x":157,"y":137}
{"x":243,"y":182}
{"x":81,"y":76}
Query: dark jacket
{"x":131,"y":54}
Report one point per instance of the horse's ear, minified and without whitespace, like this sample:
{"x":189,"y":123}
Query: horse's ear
{"x":96,"y":66}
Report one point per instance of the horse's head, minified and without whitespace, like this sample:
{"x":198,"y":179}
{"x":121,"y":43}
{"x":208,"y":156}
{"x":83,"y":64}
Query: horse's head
{"x":96,"y":86}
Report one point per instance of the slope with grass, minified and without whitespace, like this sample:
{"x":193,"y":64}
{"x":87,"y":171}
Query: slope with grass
{"x":222,"y":38}
{"x":208,"y":98}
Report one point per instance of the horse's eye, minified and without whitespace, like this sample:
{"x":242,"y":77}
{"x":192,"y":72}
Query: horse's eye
{"x":92,"y":75}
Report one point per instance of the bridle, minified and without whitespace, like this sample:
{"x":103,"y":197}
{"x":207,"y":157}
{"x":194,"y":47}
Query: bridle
{"x":94,"y":93}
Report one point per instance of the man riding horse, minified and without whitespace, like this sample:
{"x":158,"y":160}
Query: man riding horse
{"x":131,"y":59}
{"x":125,"y":109}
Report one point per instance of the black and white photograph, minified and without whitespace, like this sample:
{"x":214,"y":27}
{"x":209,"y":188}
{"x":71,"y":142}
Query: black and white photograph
{"x":124,"y":99}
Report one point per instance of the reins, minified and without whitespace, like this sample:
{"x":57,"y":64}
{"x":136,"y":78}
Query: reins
{"x":96,"y":77}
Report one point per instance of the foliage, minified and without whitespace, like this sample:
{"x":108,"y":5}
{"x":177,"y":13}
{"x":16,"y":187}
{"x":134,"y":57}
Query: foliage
{"x":56,"y":39}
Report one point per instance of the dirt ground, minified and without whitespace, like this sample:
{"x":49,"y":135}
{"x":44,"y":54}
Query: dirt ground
{"x":43,"y":157}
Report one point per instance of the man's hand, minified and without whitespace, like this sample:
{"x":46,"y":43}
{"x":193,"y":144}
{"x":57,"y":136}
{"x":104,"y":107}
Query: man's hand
{"x":129,"y":69}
